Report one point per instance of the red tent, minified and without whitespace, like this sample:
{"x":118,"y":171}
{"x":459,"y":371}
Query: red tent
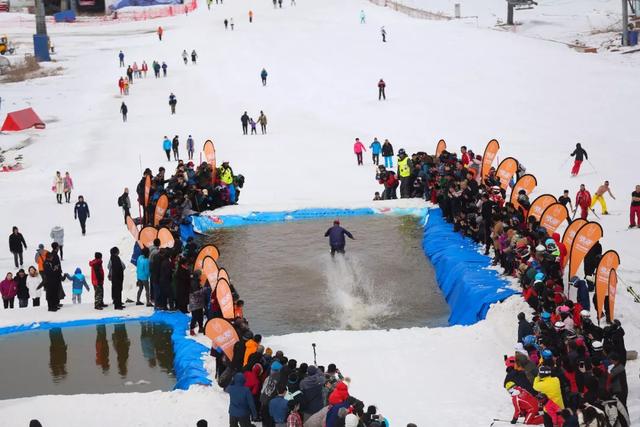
{"x":22,"y":119}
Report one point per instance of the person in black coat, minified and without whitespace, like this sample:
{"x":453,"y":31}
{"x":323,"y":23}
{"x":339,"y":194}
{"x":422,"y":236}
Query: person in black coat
{"x":524,"y":327}
{"x":53,"y":281}
{"x":116,"y":276}
{"x":16,"y":242}
{"x":81,"y":213}
{"x":613,"y":340}
{"x":23,"y":291}
{"x":164,"y":284}
{"x":580,"y":154}
{"x":183,"y":282}
{"x":124,"y":110}
{"x":245,"y":123}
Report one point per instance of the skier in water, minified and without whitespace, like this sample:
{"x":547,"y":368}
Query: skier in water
{"x":336,"y":237}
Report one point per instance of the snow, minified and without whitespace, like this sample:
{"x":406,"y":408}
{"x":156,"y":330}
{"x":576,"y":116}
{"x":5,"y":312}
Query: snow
{"x":445,"y":79}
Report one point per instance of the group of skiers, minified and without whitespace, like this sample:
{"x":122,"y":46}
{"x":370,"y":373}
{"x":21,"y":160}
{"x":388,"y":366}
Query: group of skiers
{"x":135,"y":71}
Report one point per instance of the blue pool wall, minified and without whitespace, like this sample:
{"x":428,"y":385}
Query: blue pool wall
{"x":462,"y":273}
{"x":187,"y":361}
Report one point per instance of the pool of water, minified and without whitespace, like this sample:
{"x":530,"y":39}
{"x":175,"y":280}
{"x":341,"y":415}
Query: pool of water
{"x":121,"y":357}
{"x":290,"y":283}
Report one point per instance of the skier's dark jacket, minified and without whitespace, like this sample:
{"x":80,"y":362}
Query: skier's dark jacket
{"x":81,"y":210}
{"x":16,"y":241}
{"x":580,"y":153}
{"x":336,"y":236}
{"x":387,"y":149}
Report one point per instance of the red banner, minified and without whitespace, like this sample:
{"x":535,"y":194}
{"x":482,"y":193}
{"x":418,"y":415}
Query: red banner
{"x":442,"y":145}
{"x":540,"y":204}
{"x":161,"y":208}
{"x":225,"y":299}
{"x":222,"y":274}
{"x":610,"y":261}
{"x":166,"y":238}
{"x":146,"y":236}
{"x":570,"y":232}
{"x":554,"y":215}
{"x":489,"y":156}
{"x":208,"y":250}
{"x":209,"y":271}
{"x":210,"y":155}
{"x":613,"y":286}
{"x":147,"y":190}
{"x":222,"y":334}
{"x":586,"y":237}
{"x":527,"y":183}
{"x":506,"y":169}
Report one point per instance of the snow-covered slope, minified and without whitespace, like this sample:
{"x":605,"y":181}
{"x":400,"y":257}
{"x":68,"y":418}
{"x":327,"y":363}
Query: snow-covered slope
{"x":444,"y":80}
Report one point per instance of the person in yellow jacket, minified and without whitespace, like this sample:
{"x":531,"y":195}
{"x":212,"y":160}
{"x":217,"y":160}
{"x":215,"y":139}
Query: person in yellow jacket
{"x":405,"y":166}
{"x":550,"y":386}
{"x":226,"y":177}
{"x":599,"y":197}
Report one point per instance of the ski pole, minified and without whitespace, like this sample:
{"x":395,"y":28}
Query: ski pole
{"x":594,"y":212}
{"x":315,"y":362}
{"x":565,"y":162}
{"x":594,"y":168}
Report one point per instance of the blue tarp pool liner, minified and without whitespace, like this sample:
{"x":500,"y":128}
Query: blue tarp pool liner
{"x":203,"y":223}
{"x":187,"y":359}
{"x":461,"y":272}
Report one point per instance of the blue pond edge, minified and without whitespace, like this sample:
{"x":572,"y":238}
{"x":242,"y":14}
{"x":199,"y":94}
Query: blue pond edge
{"x":461,"y":272}
{"x":187,"y":359}
{"x":203,"y":223}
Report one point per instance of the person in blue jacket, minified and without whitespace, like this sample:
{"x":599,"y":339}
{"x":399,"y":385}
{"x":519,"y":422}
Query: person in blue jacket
{"x":583,"y":292}
{"x":279,"y":407}
{"x":166,"y":146}
{"x":78,"y":282}
{"x":121,"y":57}
{"x":336,"y":237}
{"x":263,"y":76}
{"x":376,"y":147}
{"x":142,"y":276}
{"x":241,"y":405}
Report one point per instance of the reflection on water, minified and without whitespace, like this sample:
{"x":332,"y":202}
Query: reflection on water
{"x":71,"y":368}
{"x":57,"y":355}
{"x":289,"y":282}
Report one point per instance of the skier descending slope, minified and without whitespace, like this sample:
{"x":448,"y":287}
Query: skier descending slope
{"x":580,"y":155}
{"x":336,"y":237}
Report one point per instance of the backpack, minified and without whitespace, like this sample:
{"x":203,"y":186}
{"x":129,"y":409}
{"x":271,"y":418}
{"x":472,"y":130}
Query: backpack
{"x":225,"y":377}
{"x":268,"y":389}
{"x":120,"y":201}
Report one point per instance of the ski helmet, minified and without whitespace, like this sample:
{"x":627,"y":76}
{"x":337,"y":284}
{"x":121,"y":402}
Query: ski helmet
{"x":597,"y":345}
{"x":585,"y":313}
{"x":545,"y":316}
{"x":529,"y":340}
{"x":547,"y":354}
{"x":401,"y":152}
{"x":559,"y":325}
{"x":539,"y":276}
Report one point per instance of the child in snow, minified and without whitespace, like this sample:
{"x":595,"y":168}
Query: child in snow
{"x":78,"y":283}
{"x":253,"y":126}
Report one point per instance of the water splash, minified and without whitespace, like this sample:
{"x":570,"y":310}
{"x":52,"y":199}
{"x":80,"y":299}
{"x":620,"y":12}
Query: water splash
{"x":356,"y":301}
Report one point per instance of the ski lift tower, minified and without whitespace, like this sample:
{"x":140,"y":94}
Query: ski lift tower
{"x":518,"y":5}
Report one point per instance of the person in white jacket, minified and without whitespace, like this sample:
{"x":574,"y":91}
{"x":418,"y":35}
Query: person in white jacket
{"x":57,"y":234}
{"x":34,"y":280}
{"x":58,"y":187}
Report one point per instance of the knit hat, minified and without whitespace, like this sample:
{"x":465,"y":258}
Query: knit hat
{"x":276,"y":366}
{"x":268,"y":351}
{"x":311,"y":370}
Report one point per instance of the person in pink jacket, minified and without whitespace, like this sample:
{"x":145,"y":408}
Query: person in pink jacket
{"x":358,"y":148}
{"x":9,"y":290}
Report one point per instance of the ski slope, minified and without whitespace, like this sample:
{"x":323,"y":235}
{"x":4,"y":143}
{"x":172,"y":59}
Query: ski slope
{"x":444,"y":80}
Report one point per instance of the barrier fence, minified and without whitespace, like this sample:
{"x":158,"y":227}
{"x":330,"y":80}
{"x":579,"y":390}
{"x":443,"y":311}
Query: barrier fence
{"x":411,"y":11}
{"x":126,"y":15}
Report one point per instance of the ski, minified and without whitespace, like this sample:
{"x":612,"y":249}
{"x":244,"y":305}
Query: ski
{"x":633,"y":293}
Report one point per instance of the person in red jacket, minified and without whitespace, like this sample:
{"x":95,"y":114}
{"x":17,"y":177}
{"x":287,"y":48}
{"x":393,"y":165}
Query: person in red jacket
{"x":358,"y":149}
{"x":465,"y":156}
{"x":551,"y":410}
{"x":253,"y":383}
{"x":583,"y":200}
{"x":562,"y":248}
{"x":524,"y":405}
{"x":97,"y":280}
{"x":121,"y":85}
{"x":339,"y":394}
